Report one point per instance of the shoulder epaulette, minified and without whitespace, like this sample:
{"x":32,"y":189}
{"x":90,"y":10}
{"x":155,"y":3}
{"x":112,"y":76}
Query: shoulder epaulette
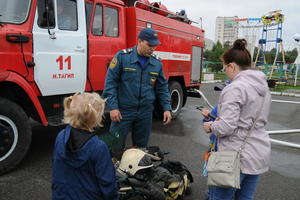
{"x":156,"y":57}
{"x":127,"y":50}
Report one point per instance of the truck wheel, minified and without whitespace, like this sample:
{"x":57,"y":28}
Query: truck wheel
{"x":15,"y":135}
{"x":176,"y":97}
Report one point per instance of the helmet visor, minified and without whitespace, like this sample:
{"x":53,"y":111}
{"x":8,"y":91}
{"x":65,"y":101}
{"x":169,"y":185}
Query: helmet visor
{"x":145,"y":161}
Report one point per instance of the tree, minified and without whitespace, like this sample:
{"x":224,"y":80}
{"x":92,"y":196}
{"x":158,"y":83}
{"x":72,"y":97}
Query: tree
{"x":214,"y":56}
{"x":270,"y":56}
{"x":226,"y":45}
{"x":290,"y":56}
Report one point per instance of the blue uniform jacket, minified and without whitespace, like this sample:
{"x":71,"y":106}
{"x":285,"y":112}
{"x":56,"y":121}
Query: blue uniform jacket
{"x":83,"y":174}
{"x":129,"y":86}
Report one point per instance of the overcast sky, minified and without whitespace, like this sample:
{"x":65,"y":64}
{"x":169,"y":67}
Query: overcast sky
{"x":210,"y":9}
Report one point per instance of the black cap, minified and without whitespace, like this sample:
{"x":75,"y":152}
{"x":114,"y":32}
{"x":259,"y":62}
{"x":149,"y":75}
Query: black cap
{"x":149,"y":35}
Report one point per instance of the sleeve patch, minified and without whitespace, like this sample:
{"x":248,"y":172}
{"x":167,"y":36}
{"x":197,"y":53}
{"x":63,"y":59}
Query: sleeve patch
{"x":113,"y":63}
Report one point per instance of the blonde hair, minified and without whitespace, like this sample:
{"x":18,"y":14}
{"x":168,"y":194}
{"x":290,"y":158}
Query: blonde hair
{"x":84,"y":110}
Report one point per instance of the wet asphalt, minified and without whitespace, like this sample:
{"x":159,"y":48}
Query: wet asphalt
{"x":185,"y":141}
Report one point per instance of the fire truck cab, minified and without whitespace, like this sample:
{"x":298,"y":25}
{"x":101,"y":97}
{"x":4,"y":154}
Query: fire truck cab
{"x":53,"y":48}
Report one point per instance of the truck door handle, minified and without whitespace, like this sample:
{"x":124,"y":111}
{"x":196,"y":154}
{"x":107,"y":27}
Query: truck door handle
{"x":15,"y":38}
{"x":79,"y":49}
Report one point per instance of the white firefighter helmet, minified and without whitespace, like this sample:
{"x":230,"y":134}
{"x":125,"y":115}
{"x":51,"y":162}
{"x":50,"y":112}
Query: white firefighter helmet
{"x":134,"y":160}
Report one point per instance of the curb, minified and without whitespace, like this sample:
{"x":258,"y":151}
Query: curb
{"x":285,"y":94}
{"x":212,"y":81}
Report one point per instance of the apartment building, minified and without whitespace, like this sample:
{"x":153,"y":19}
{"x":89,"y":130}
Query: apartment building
{"x":226,"y":29}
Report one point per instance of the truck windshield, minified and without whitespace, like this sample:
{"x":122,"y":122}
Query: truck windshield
{"x":14,"y":11}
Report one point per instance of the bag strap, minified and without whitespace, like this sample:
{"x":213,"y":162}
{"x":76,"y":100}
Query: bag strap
{"x":254,"y":122}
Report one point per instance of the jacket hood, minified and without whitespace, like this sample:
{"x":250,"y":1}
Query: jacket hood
{"x":74,"y":158}
{"x":256,"y":79}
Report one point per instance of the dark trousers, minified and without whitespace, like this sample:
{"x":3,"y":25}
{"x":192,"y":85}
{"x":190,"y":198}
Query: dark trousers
{"x":139,"y":122}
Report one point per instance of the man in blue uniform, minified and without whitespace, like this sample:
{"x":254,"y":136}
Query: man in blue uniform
{"x":135,"y":77}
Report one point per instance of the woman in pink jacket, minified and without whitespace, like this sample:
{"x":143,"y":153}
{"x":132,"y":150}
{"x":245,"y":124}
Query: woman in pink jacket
{"x":240,"y":104}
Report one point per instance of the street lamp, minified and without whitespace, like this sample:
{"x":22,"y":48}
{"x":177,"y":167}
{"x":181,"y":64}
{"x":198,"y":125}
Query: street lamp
{"x":297,"y":61}
{"x":297,"y":37}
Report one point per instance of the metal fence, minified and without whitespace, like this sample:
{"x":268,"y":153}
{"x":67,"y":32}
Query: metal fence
{"x":288,"y":72}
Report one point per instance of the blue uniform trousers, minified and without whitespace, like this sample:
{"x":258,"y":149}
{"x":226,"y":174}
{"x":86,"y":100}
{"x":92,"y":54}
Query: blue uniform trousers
{"x":139,"y":122}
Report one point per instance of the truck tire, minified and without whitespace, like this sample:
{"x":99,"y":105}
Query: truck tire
{"x":176,"y":93}
{"x":15,"y":135}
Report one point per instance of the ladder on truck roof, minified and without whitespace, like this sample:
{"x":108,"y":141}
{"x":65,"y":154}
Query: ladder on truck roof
{"x":160,"y":9}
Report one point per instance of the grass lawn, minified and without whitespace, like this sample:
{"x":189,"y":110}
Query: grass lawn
{"x":282,"y":88}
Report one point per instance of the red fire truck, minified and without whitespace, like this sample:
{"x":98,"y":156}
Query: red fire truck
{"x":52,"y":48}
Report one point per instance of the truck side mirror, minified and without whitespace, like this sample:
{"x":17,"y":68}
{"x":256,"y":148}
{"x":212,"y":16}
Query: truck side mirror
{"x":46,"y":17}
